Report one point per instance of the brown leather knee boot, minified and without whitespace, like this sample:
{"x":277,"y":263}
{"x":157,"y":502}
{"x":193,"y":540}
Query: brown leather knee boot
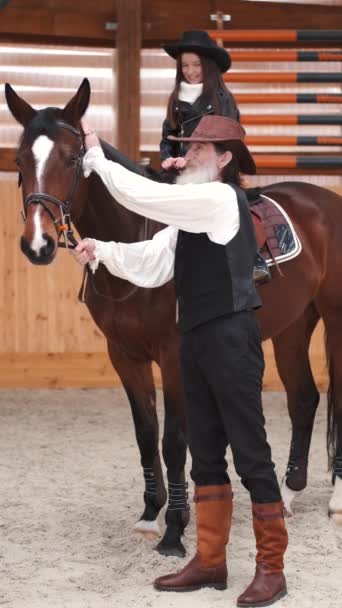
{"x":269,"y":584}
{"x":214,"y":507}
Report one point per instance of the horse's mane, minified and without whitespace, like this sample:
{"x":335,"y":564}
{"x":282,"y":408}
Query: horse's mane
{"x":113,"y":154}
{"x":104,"y":206}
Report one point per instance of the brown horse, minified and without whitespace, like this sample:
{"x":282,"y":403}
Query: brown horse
{"x":139,"y":324}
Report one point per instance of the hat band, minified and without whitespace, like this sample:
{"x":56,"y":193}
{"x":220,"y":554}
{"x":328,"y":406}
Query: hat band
{"x":206,"y":135}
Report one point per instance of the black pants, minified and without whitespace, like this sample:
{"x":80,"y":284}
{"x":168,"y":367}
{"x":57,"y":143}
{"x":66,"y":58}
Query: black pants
{"x":223,"y":365}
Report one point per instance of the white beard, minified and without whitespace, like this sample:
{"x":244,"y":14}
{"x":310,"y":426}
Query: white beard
{"x":199,"y":175}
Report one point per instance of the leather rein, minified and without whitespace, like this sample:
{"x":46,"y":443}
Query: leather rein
{"x":63,"y":225}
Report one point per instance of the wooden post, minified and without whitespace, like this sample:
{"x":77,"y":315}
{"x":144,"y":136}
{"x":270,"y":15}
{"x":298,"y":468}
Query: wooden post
{"x":128,"y":76}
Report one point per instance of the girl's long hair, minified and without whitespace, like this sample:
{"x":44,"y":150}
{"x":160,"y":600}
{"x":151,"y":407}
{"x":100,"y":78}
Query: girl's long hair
{"x":212,"y":84}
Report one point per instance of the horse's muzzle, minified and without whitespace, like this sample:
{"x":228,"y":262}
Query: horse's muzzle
{"x":46,"y":254}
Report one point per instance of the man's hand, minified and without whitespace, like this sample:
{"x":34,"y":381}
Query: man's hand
{"x":90,"y":137}
{"x":84,"y":251}
{"x":177,"y":163}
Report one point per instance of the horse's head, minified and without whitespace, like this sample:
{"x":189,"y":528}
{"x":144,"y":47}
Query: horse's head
{"x":49,"y":160}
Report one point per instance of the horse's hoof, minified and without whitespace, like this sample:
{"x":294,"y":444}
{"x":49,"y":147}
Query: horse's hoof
{"x":177,"y":550}
{"x":148,"y":529}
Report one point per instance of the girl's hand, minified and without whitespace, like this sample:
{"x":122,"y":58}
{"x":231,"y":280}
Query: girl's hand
{"x":167,"y":163}
{"x":84,"y":251}
{"x":90,"y":137}
{"x":177,"y":163}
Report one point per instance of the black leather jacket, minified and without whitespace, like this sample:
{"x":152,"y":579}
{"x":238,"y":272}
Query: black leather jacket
{"x":188,"y":117}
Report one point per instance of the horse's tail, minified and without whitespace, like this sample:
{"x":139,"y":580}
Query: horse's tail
{"x":331,"y":420}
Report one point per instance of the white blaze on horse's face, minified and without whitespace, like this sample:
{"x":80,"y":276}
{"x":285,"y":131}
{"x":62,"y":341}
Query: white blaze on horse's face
{"x":41,"y":150}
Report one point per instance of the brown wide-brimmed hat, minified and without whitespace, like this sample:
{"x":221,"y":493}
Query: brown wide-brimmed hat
{"x":212,"y":129}
{"x":199,"y":42}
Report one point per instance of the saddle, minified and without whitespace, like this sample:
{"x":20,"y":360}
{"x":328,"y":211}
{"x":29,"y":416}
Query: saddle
{"x":275,"y":235}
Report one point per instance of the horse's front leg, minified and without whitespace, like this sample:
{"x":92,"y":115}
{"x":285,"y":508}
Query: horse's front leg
{"x":137,"y":379}
{"x":291,"y":349}
{"x":174,"y":449}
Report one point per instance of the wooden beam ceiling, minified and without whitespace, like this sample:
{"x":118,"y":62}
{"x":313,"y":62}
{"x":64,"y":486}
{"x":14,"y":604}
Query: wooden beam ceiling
{"x":58,"y":21}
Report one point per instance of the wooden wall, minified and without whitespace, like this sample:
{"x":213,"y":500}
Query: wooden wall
{"x":48,"y":339}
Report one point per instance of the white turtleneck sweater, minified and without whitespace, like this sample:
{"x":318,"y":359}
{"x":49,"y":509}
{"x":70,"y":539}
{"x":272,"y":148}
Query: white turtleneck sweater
{"x":190,"y":92}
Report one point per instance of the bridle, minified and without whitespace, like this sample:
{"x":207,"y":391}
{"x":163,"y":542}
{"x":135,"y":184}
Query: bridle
{"x":62,"y":225}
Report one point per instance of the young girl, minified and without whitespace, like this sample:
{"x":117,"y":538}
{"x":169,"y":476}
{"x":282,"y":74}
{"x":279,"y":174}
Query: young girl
{"x":199,"y":90}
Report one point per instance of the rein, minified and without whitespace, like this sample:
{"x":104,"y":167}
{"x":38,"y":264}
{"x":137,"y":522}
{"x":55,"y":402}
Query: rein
{"x":63,"y":225}
{"x":88,"y":275}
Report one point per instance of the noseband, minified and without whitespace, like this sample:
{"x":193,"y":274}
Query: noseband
{"x":62,"y":225}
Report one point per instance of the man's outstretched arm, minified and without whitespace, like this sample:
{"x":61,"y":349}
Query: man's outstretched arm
{"x":146,"y":263}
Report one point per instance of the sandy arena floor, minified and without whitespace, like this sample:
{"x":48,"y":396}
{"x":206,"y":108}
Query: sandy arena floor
{"x":71,"y":490}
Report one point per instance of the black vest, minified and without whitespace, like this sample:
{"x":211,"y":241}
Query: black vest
{"x":214,"y":280}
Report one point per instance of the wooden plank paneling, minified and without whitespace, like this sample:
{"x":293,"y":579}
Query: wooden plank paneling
{"x":258,"y":15}
{"x":39,"y":311}
{"x":272,"y":381}
{"x":94,"y":370}
{"x":164,"y":21}
{"x":7,"y":159}
{"x":57,"y":370}
{"x":58,"y":22}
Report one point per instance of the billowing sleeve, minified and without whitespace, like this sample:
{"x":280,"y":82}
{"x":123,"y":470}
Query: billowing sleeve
{"x":145,"y":263}
{"x":210,"y":207}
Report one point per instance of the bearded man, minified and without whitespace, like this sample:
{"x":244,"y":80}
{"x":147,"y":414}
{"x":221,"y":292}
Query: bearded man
{"x":209,"y":248}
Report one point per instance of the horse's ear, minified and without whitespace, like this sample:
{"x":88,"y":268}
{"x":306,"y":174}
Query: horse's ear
{"x":77,"y":106}
{"x":21,"y":110}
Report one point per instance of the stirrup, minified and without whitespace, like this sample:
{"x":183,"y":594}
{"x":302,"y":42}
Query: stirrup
{"x":261,"y":272}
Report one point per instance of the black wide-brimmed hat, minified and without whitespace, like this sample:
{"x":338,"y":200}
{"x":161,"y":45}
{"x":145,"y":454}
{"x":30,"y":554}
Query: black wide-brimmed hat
{"x":199,"y":42}
{"x":211,"y":129}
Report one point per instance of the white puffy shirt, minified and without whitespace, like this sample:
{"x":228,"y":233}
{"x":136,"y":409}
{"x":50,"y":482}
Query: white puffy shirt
{"x":211,"y":208}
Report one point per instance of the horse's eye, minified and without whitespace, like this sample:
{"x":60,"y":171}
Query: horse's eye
{"x":71,"y":161}
{"x":18,"y":162}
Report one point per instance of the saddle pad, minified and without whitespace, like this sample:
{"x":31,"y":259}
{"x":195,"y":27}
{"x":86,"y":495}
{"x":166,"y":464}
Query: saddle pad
{"x":282,"y":243}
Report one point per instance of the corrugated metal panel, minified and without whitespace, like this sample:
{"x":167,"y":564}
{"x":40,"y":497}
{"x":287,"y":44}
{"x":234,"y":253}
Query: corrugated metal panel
{"x":47,"y":76}
{"x":157,"y":81}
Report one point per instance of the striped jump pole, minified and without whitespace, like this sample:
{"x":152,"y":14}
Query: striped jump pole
{"x":279,"y":77}
{"x":288,"y":98}
{"x":285,"y":161}
{"x":328,"y":36}
{"x":291,"y":119}
{"x":292,"y":140}
{"x":285,"y":55}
